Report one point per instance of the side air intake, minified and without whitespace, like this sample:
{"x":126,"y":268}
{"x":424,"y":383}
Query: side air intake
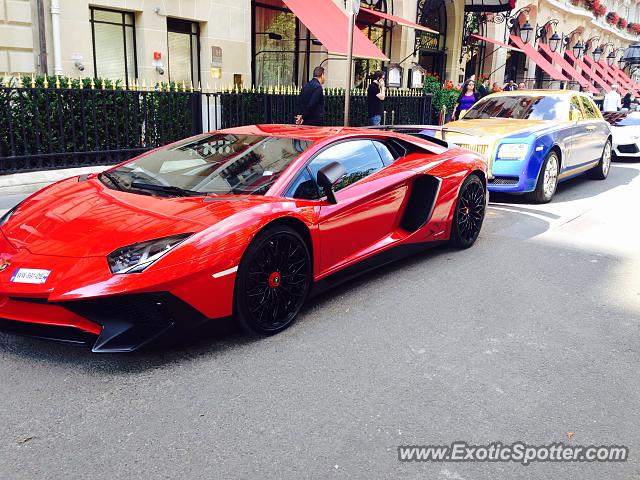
{"x":422,"y":200}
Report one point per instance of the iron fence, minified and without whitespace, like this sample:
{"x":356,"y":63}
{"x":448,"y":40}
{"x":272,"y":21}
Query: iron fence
{"x":61,"y":127}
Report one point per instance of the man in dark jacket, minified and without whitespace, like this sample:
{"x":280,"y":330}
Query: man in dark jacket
{"x":483,"y":89}
{"x":311,"y":101}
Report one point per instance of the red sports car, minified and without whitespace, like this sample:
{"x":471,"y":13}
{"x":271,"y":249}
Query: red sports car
{"x":245,"y":222}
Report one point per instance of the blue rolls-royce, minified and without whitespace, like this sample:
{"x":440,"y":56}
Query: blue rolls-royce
{"x":533,"y":139}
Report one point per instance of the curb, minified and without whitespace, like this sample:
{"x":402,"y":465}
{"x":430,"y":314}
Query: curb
{"x":31,"y":182}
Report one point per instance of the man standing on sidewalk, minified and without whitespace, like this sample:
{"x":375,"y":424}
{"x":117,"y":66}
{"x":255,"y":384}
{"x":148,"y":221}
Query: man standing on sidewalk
{"x":375,"y":98}
{"x":311,"y":101}
{"x":612,"y":100}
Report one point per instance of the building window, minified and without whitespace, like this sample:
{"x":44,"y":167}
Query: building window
{"x":114,"y":44}
{"x":276,"y":38}
{"x":379,"y":34}
{"x":432,"y":14}
{"x":183,"y":42}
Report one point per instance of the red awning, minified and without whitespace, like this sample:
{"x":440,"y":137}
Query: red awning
{"x":623,"y":74}
{"x":538,"y":59}
{"x":592,"y":63}
{"x":330,"y":25}
{"x":374,"y":16}
{"x":495,"y":42}
{"x":566,"y":66}
{"x":621,"y":81}
{"x":585,"y":69}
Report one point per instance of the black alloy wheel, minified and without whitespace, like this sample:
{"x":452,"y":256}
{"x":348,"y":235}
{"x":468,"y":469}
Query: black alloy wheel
{"x":273,"y":281}
{"x":469,"y":213}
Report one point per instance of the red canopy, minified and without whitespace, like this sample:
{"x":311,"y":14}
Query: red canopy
{"x":585,"y":69}
{"x":620,"y":80}
{"x":495,"y":42}
{"x":538,"y":58}
{"x":566,"y":66}
{"x":622,"y":74}
{"x":592,"y":63}
{"x":330,"y":25}
{"x":374,"y":16}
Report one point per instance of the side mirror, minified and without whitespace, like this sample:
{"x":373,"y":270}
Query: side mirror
{"x":328,"y":176}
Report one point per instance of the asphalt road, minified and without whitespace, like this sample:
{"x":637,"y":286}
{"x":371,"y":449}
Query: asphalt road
{"x":530,"y":334}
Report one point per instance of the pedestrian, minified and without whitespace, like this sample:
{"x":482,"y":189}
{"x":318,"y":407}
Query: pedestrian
{"x":496,"y":88}
{"x":375,"y":98}
{"x":468,"y":96}
{"x":510,"y":86}
{"x":612,"y":100}
{"x":483,"y":89}
{"x":311,"y":101}
{"x":626,"y":102}
{"x":586,"y":91}
{"x":522,"y":86}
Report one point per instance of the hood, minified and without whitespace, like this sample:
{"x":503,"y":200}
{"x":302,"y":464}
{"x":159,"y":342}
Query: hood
{"x":500,"y":127}
{"x":78,"y":219}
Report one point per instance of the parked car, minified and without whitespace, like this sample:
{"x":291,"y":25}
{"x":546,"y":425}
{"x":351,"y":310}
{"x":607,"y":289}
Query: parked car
{"x":245,"y":222}
{"x":625,"y":128}
{"x":534,"y":139}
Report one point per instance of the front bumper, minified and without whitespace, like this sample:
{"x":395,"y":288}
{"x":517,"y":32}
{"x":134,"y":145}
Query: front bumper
{"x":119,"y":323}
{"x":627,"y":150}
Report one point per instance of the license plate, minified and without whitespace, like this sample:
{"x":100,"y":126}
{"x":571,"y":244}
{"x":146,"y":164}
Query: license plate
{"x":30,"y":275}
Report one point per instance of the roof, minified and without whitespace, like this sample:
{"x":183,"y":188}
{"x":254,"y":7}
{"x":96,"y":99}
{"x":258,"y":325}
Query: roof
{"x":319,"y":134}
{"x":301,"y":132}
{"x":544,"y":92}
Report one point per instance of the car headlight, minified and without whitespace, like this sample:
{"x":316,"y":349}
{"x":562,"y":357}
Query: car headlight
{"x":513,"y":151}
{"x":135,"y":258}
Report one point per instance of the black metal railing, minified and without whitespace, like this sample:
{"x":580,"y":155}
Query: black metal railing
{"x":50,"y":128}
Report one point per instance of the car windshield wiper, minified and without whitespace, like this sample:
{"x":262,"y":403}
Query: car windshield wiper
{"x":113,"y":179}
{"x":169,"y":189}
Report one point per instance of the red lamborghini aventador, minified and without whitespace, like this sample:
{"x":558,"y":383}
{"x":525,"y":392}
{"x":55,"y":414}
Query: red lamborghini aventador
{"x":245,"y":222}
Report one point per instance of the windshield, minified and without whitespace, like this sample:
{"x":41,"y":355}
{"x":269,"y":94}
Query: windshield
{"x":216,"y":164}
{"x":529,"y":107}
{"x":622,"y":119}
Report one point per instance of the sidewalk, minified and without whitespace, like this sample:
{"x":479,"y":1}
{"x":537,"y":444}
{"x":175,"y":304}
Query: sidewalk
{"x":27,"y":183}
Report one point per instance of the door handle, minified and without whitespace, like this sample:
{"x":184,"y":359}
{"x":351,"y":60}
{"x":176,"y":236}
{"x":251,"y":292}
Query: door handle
{"x":591,"y":127}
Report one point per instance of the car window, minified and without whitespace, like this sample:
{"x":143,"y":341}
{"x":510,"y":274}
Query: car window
{"x":359,"y":157}
{"x":575,"y":106}
{"x":590,"y":110}
{"x":304,"y":187}
{"x":385,"y":153}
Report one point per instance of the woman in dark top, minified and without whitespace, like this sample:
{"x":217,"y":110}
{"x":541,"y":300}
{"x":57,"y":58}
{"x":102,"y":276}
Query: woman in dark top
{"x":468,"y":96}
{"x":626,"y":101}
{"x":375,"y":98}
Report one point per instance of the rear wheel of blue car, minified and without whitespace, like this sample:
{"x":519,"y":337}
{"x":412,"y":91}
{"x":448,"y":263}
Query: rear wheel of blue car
{"x":547,"y":180}
{"x":469,"y":213}
{"x":601,"y":171}
{"x":273,"y":281}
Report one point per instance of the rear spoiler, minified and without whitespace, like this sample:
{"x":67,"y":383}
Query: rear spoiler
{"x":424,"y":132}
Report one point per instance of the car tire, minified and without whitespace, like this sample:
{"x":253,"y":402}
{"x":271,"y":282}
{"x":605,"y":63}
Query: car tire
{"x":547,"y":180}
{"x":273,"y":281}
{"x":601,"y":171}
{"x":469,"y":213}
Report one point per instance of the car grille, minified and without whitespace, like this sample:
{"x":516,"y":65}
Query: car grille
{"x":628,"y":148}
{"x":504,"y":181}
{"x":479,"y":148}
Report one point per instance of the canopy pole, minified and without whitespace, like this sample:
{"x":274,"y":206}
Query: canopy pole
{"x":352,"y":10}
{"x":347,"y":92}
